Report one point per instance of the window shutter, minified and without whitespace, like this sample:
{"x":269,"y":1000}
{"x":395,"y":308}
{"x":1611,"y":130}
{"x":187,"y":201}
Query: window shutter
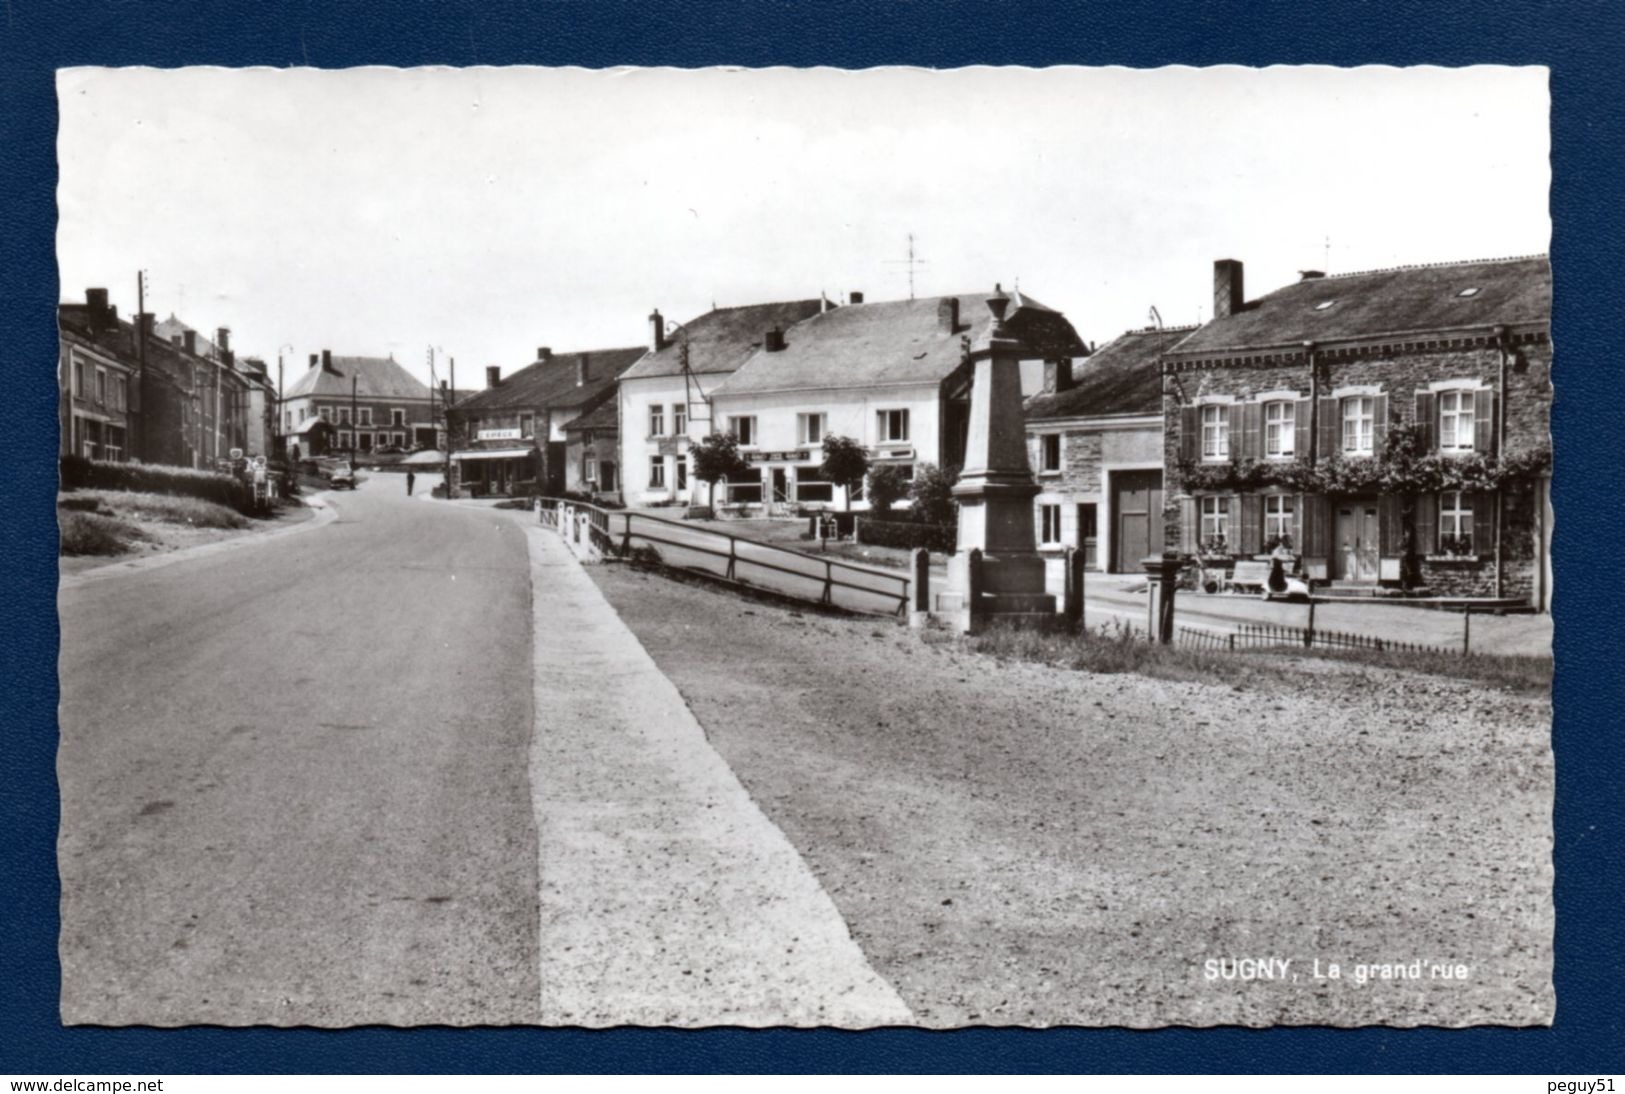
{"x":1252,"y":523}
{"x":1300,"y":432}
{"x":1379,"y":423}
{"x":1238,"y":428}
{"x":1427,"y":422}
{"x":1483,"y":523}
{"x":1232,"y":537}
{"x":1297,"y":524}
{"x":1391,"y":518}
{"x":1189,"y":438}
{"x":1316,"y":518}
{"x":1187,"y":525}
{"x":1252,"y":443}
{"x":1427,"y":523}
{"x":1330,"y":442}
{"x":1483,"y":425}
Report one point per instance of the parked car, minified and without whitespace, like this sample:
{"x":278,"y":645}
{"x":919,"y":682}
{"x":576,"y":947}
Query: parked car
{"x":341,"y":477}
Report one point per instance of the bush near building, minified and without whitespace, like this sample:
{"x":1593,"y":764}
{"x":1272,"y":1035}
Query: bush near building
{"x":906,"y":534}
{"x":79,"y":473}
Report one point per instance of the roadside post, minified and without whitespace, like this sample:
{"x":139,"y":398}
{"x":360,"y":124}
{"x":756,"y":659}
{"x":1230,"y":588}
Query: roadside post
{"x":1161,"y":573}
{"x":920,"y":593}
{"x":1074,"y":589}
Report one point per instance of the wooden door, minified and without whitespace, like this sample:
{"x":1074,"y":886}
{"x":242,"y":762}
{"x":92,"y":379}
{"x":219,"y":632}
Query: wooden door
{"x":1136,"y":516}
{"x":1356,"y":546}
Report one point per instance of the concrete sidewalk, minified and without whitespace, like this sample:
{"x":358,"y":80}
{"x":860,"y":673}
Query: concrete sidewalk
{"x":667,"y":897}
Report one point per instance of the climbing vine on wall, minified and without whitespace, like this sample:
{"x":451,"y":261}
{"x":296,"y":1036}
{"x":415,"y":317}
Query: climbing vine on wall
{"x":1403,"y":467}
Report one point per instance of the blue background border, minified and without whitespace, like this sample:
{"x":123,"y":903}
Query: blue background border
{"x":1578,"y":41}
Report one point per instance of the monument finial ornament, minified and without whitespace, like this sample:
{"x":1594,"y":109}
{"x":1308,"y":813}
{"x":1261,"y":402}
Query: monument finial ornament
{"x":997,"y":304}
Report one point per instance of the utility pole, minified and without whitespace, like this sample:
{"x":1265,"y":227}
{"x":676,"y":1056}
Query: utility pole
{"x":451,"y":400}
{"x":141,"y":351}
{"x":355,"y":420}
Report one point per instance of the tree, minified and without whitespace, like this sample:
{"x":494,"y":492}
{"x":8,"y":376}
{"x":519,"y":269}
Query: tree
{"x":845,"y":464}
{"x":886,"y":486}
{"x":716,"y":458}
{"x":932,"y":491}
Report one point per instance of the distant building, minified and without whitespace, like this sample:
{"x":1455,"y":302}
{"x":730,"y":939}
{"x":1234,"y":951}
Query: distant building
{"x":592,"y":452}
{"x":510,"y":438}
{"x":372,"y":403}
{"x":892,"y":375}
{"x":99,"y":383}
{"x":1281,"y":414}
{"x":1095,"y":441}
{"x":665,"y":397}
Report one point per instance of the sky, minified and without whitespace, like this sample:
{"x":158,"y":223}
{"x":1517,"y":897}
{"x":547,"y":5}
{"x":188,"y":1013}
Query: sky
{"x":489,"y":211}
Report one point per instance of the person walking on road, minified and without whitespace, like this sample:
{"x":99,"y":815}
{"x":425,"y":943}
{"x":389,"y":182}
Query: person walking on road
{"x":411,"y":480}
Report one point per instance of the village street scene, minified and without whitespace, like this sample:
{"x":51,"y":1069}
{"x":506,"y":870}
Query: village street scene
{"x":966,"y":641}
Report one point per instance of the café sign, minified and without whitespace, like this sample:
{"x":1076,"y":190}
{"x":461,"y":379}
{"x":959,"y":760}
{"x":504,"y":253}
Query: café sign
{"x":498,"y":434}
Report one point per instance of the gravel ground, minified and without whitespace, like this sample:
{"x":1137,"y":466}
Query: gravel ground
{"x":1016,"y":844}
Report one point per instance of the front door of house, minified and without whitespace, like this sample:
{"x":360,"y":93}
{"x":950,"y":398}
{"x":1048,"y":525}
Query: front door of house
{"x":1356,"y":555}
{"x":781,"y":485}
{"x":1136,"y":509}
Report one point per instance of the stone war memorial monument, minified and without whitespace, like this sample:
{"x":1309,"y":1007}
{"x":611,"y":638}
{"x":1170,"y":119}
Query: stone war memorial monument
{"x":996,"y":573}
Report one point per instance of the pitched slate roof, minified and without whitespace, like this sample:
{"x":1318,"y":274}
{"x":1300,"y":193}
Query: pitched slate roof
{"x":552,"y":382}
{"x":720,"y":340}
{"x":605,"y":416}
{"x":888,"y":343}
{"x":1403,"y":300}
{"x":376,"y":378}
{"x":1122,"y":377}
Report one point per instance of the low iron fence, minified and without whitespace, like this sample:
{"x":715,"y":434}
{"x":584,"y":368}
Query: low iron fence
{"x":815,"y":579}
{"x":1258,"y":635}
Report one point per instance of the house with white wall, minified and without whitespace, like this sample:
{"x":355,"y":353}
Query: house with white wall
{"x":664,"y":399}
{"x":893,"y":375}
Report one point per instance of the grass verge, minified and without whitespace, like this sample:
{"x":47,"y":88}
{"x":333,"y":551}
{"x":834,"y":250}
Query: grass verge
{"x":167,"y":508}
{"x":96,"y":533}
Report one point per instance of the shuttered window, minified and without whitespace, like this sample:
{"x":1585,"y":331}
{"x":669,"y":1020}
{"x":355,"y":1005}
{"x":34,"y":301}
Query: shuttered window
{"x":1358,"y":418}
{"x":1456,"y":421}
{"x":1280,"y":430}
{"x":1215,"y":523}
{"x":1215,"y":432}
{"x":1279,"y":521}
{"x":1456,"y":523}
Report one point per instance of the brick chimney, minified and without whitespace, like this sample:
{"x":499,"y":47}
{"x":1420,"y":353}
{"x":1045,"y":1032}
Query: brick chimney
{"x":948,"y":314}
{"x":544,"y":353}
{"x":493,"y":375}
{"x":96,"y":308}
{"x":327,"y":360}
{"x":1058,"y":376}
{"x":1228,"y":295}
{"x":657,"y":331}
{"x":314,"y":360}
{"x":189,"y":341}
{"x":222,"y":340}
{"x":773,"y":340}
{"x":583,"y":369}
{"x":854,"y":298}
{"x":1311,"y":275}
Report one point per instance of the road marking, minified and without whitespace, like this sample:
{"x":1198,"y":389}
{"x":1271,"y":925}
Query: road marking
{"x":324,"y":515}
{"x":667,"y":897}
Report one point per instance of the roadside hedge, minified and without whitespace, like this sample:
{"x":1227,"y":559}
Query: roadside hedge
{"x":79,"y":473}
{"x":907,"y":534}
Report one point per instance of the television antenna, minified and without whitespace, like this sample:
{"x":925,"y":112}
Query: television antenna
{"x":911,"y":262}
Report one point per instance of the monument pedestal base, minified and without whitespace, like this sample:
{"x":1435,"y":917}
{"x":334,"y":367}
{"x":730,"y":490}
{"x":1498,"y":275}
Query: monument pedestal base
{"x":1010,"y":591}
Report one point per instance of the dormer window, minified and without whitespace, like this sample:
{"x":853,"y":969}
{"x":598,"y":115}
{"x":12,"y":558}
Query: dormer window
{"x":1324,"y":304}
{"x":1472,"y":291}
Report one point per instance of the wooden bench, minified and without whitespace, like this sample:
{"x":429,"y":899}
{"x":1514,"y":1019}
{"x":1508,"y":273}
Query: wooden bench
{"x":1250,"y":575}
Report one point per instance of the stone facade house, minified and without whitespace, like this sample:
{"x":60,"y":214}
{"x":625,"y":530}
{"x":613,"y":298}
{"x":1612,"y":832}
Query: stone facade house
{"x":371,"y":403}
{"x":591,"y":452}
{"x":1094,"y":436}
{"x":510,"y":438}
{"x":1389,"y":429}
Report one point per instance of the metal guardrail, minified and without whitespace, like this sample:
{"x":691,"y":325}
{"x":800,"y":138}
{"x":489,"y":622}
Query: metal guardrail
{"x":817,"y":580}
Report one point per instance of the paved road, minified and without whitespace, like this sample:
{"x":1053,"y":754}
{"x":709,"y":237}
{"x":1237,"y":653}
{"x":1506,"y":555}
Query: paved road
{"x":294,"y":778}
{"x":410,"y":767}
